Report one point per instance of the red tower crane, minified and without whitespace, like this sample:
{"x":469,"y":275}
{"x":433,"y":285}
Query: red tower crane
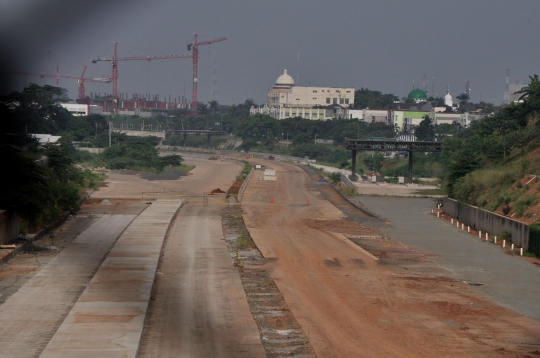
{"x":57,"y":75}
{"x":195,"y":55}
{"x":114,"y":64}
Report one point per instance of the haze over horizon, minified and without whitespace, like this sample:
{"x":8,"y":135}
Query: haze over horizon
{"x":382,"y":45}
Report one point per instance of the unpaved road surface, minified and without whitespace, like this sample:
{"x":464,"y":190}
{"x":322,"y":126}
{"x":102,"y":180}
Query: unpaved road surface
{"x":351,"y":304}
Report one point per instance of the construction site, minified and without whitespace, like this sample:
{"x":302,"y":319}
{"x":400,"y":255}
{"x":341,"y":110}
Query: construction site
{"x":279,"y":265}
{"x":122,"y":102}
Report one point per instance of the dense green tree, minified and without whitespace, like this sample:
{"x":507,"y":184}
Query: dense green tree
{"x":365,"y":98}
{"x":37,"y":109}
{"x":259,"y":127}
{"x":213,"y":105}
{"x":202,"y":109}
{"x":425,"y":131}
{"x":24,"y":185}
{"x":374,"y":162}
{"x":530,"y":94}
{"x":463,"y":99}
{"x":302,"y":137}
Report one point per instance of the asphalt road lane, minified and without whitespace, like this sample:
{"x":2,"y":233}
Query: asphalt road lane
{"x":509,"y":280}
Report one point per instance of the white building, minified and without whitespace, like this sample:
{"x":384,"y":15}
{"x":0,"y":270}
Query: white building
{"x":287,"y":100}
{"x":370,"y":115}
{"x":448,"y":99}
{"x":77,"y":109}
{"x":314,"y":113}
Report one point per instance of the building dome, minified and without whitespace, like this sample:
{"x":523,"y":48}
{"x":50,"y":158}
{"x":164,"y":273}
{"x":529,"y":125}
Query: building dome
{"x":284,"y":81}
{"x":417,"y":94}
{"x":448,"y":99}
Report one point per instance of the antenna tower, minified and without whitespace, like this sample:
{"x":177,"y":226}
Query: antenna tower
{"x":506,"y":98}
{"x":213,"y":92}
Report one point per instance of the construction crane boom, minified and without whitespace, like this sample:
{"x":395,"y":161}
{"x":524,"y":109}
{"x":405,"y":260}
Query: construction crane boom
{"x":114,"y":64}
{"x":80,"y":79}
{"x":194,"y":47}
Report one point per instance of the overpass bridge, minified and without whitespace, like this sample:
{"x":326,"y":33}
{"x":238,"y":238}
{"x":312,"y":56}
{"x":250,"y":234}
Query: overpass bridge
{"x":389,"y":145}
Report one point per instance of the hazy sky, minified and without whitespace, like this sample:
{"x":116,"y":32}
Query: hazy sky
{"x":381,"y":45}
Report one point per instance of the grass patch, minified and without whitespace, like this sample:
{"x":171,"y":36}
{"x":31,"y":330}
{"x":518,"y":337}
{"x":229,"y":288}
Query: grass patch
{"x":185,"y":167}
{"x":245,"y":172}
{"x":349,"y":192}
{"x":521,"y":205}
{"x":438,"y":191}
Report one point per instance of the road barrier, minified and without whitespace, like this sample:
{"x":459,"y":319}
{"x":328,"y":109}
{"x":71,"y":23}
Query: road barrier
{"x":157,"y":195}
{"x":244,"y":185}
{"x":486,"y":221}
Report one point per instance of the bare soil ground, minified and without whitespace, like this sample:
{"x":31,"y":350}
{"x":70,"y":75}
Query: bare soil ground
{"x":357,"y":294}
{"x":281,"y":335}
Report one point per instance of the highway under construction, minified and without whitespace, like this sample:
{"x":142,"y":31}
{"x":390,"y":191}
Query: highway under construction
{"x":292,"y":270}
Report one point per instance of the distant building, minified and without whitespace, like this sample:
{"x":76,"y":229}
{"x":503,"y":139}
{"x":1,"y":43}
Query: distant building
{"x":77,"y":109}
{"x":46,"y":138}
{"x":512,"y":89}
{"x":467,"y":118}
{"x":405,"y":120}
{"x":315,"y":113}
{"x":285,"y":99}
{"x":448,"y":99}
{"x":284,"y":93}
{"x":417,"y":95}
{"x":370,"y":115}
{"x":445,"y":117}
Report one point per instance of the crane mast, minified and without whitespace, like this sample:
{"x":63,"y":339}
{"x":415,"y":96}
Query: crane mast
{"x":194,"y":47}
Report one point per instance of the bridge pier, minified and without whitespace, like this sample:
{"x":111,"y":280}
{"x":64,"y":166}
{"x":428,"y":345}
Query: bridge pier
{"x":185,"y":137}
{"x":353,"y":176}
{"x":208,"y":135}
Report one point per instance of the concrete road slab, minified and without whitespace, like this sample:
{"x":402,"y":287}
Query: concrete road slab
{"x":199,"y":307}
{"x":94,"y":327}
{"x":31,"y":316}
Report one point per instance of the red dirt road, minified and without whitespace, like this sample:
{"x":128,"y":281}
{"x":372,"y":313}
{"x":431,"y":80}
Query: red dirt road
{"x":349,"y":305}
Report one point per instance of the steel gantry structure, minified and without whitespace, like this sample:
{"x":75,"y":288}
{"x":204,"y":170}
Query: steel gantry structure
{"x":389,"y":145}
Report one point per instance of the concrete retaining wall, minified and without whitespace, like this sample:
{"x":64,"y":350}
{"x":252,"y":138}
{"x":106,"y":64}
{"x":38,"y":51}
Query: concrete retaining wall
{"x":347,"y":181}
{"x":486,"y":221}
{"x":244,"y":185}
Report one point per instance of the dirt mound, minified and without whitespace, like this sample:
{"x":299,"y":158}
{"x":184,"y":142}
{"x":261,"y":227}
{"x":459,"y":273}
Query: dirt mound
{"x":169,"y":174}
{"x":217,"y":191}
{"x":235,"y":188}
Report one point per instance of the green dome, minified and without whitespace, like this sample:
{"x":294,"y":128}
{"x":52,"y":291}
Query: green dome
{"x":417,"y":94}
